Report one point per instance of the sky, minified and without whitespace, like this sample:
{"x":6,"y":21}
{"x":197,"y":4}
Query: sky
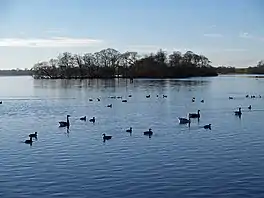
{"x":228,"y":32}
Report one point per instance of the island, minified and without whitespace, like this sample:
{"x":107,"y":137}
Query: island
{"x":110,"y":63}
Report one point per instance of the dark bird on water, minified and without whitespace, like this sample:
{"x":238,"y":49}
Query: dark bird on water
{"x":83,"y":118}
{"x":33,"y":135}
{"x":92,"y":120}
{"x":107,"y":137}
{"x":65,"y":124}
{"x":149,"y":132}
{"x":195,"y":115}
{"x":208,"y":126}
{"x":29,"y":141}
{"x":129,"y":130}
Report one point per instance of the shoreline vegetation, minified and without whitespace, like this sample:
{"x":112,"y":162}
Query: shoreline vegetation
{"x":110,"y":63}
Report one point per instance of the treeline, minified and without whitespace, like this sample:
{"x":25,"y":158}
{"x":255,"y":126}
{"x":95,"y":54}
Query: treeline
{"x":15,"y":72}
{"x":259,"y":69}
{"x":110,"y":63}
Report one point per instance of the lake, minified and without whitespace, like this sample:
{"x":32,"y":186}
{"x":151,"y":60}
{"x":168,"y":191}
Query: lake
{"x":177,"y":161}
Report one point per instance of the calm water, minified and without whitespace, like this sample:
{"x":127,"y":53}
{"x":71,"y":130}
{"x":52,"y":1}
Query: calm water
{"x":176,"y":162}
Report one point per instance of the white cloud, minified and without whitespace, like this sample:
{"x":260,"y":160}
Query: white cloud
{"x":245,"y":35}
{"x":51,"y":42}
{"x":213,"y":35}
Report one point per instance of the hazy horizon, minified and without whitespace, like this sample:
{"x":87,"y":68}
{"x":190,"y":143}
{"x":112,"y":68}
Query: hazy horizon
{"x":227,"y":32}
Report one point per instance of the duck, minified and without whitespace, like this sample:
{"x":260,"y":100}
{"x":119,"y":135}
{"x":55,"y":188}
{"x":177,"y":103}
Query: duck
{"x":113,"y":97}
{"x":129,"y":130}
{"x":33,"y":135}
{"x":124,"y":100}
{"x":193,"y":100}
{"x":92,"y":120}
{"x":65,"y":124}
{"x":249,"y":107}
{"x":164,"y":96}
{"x":238,"y":113}
{"x":208,"y":126}
{"x":247,"y":96}
{"x":90,"y":99}
{"x":29,"y":141}
{"x":149,"y":132}
{"x":184,"y":120}
{"x":148,"y":96}
{"x":98,"y":99}
{"x":119,"y":97}
{"x":83,"y":118}
{"x":195,"y":115}
{"x":230,"y":98}
{"x":1,"y":102}
{"x":107,"y":137}
{"x":110,"y":105}
{"x":157,"y":96}
{"x":202,"y":101}
{"x":129,"y":96}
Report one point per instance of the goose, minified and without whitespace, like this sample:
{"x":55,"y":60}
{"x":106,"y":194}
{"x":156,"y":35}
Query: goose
{"x":110,"y":105}
{"x":202,"y":101}
{"x":33,"y":135}
{"x":149,"y":132}
{"x":90,"y":99}
{"x":92,"y":120}
{"x":83,"y":118}
{"x":65,"y":124}
{"x":29,"y":141}
{"x":195,"y":115}
{"x":238,"y":113}
{"x":129,"y":130}
{"x":249,"y":107}
{"x":184,"y":120}
{"x":148,"y":96}
{"x":124,"y":100}
{"x":208,"y":126}
{"x":107,"y":137}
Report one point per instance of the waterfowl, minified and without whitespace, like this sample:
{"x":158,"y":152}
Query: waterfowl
{"x":157,"y":96}
{"x":65,"y":124}
{"x":249,"y":107}
{"x":83,"y":118}
{"x":98,"y":99}
{"x":124,"y":100}
{"x":208,"y":126}
{"x":119,"y":97}
{"x":259,"y":97}
{"x":129,"y":96}
{"x":148,"y":96}
{"x":164,"y":96}
{"x":149,"y":132}
{"x":184,"y":120}
{"x":33,"y":135}
{"x":1,"y":102}
{"x":90,"y":99}
{"x":110,"y":105}
{"x":107,"y":137}
{"x":29,"y":141}
{"x":247,"y":96}
{"x":113,"y":97}
{"x":193,"y":100}
{"x":202,"y":101}
{"x":92,"y":120}
{"x":230,"y":98}
{"x":129,"y":130}
{"x":238,"y":113}
{"x":195,"y":115}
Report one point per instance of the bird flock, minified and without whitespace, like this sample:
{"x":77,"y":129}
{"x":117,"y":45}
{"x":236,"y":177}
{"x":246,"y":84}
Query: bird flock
{"x":149,"y":132}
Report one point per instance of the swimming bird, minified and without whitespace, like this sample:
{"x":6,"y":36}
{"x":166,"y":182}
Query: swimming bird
{"x":247,"y":96}
{"x":65,"y":124}
{"x":124,"y":100}
{"x":33,"y":135}
{"x":184,"y":120}
{"x":195,"y":115}
{"x":90,"y":99}
{"x":129,"y":130}
{"x":110,"y":105}
{"x":249,"y":107}
{"x":29,"y":141}
{"x":202,"y":101}
{"x":98,"y":99}
{"x":119,"y":97}
{"x":92,"y":120}
{"x":148,"y":96}
{"x":208,"y":126}
{"x":230,"y":98}
{"x":129,"y":96}
{"x":238,"y":113}
{"x":1,"y":102}
{"x":193,"y":100}
{"x":164,"y":96}
{"x":83,"y":118}
{"x":149,"y":132}
{"x":107,"y":137}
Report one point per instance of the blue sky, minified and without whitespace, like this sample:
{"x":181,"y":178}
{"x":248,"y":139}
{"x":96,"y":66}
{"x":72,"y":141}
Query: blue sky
{"x":228,"y":32}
